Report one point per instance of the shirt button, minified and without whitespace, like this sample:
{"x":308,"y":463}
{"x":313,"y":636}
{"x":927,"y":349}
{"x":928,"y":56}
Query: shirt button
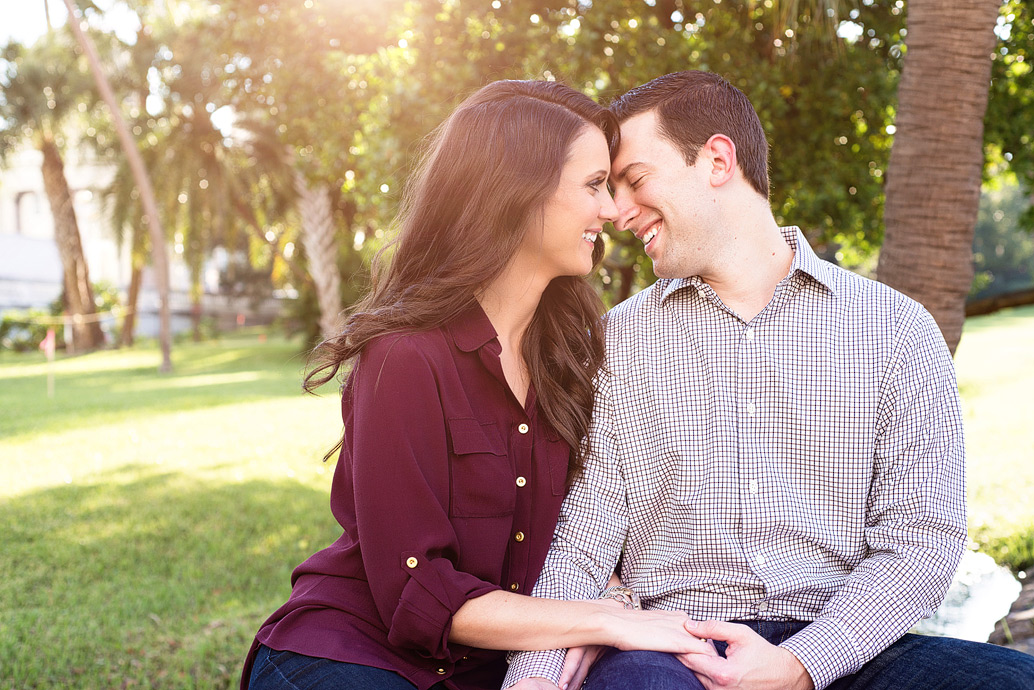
{"x":521,"y":481}
{"x":753,"y":486}
{"x":440,"y":672}
{"x":762,"y":606}
{"x":513,"y":587}
{"x":760,"y":559}
{"x":523,"y":428}
{"x":411,"y":562}
{"x":519,"y":536}
{"x":751,"y":408}
{"x":749,"y":335}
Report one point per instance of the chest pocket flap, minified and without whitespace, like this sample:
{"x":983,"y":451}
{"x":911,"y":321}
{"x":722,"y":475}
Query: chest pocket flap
{"x":481,"y":481}
{"x":470,"y":436}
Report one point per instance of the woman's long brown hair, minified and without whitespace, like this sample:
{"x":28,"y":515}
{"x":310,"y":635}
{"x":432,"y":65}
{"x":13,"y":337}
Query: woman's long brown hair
{"x":487,"y":174}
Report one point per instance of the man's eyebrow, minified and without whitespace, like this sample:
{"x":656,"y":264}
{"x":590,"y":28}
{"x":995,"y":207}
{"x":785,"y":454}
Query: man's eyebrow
{"x":624,"y":170}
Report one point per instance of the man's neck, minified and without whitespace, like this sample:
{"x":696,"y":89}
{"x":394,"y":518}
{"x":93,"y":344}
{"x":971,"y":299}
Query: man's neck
{"x":758,"y":257}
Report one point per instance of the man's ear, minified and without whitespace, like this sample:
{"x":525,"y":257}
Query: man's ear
{"x":721,"y":154}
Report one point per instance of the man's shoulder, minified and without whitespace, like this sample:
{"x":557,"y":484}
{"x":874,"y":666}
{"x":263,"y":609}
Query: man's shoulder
{"x":878,"y":303}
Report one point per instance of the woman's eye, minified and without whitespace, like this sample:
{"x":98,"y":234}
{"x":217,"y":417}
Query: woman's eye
{"x":596,"y":184}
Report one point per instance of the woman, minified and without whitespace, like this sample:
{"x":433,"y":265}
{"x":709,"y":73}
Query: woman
{"x":470,"y":392}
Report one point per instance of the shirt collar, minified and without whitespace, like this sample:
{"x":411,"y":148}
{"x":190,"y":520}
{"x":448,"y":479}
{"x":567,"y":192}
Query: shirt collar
{"x":804,"y":260}
{"x":472,"y":329}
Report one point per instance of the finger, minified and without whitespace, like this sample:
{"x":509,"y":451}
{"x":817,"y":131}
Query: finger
{"x":703,"y":665}
{"x":719,"y":630}
{"x":572,"y":662}
{"x":592,"y":655}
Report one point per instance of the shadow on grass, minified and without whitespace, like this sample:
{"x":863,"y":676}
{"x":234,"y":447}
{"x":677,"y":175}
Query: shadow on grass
{"x":93,"y":391}
{"x":156,"y":583}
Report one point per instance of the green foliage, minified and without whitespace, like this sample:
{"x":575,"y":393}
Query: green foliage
{"x":1008,"y":124}
{"x":23,"y":330}
{"x":1003,"y":252}
{"x":347,"y":95}
{"x":1015,"y":551}
{"x":355,"y":103}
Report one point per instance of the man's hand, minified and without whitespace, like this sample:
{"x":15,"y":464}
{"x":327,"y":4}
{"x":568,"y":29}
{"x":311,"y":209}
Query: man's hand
{"x":533,"y":684}
{"x":577,"y":663}
{"x":751,"y":663}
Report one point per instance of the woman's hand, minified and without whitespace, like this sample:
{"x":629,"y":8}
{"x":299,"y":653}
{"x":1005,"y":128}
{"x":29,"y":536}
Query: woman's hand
{"x":656,"y":630}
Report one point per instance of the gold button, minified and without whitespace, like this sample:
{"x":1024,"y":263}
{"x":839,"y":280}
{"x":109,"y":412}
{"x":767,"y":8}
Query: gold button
{"x":411,"y":562}
{"x":441,"y":672}
{"x":519,"y":536}
{"x":523,"y":428}
{"x":514,"y":586}
{"x":521,"y":481}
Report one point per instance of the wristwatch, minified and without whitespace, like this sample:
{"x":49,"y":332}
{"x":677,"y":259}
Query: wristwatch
{"x":628,"y":598}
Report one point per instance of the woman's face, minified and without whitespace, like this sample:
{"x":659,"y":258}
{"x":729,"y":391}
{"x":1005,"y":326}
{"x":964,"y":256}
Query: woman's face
{"x":574,"y":216}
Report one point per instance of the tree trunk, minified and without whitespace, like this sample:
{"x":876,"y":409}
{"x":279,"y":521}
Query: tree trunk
{"x":320,"y":241}
{"x":160,"y":259}
{"x":132,"y":299}
{"x":86,"y":330}
{"x":934,"y":174}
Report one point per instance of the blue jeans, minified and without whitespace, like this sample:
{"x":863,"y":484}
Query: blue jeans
{"x":915,"y":662}
{"x":274,"y":670}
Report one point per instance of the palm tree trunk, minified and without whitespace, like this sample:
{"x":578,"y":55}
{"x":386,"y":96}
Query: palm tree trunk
{"x":132,"y":299}
{"x":320,"y":242}
{"x":86,"y":331}
{"x":160,"y":259}
{"x":934,"y":174}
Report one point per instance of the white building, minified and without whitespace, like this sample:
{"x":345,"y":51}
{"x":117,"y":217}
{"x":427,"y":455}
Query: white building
{"x":30,"y":266}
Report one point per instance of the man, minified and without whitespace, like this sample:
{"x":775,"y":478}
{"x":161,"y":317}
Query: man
{"x":776,"y":441}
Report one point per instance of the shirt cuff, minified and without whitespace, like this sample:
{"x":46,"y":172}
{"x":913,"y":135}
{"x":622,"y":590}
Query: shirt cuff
{"x":826,"y":650}
{"x":432,"y":595}
{"x":548,"y":664}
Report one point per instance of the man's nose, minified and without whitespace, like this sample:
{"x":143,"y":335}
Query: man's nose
{"x":627,"y":210}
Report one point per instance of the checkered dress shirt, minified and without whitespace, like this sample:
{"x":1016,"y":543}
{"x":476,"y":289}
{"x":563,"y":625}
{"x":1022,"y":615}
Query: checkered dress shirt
{"x":807,"y":465}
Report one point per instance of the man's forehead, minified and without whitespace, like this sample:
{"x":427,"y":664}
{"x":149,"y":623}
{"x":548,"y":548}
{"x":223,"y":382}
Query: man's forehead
{"x":639,"y":134}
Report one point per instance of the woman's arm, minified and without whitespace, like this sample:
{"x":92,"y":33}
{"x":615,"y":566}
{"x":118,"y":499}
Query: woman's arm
{"x":504,"y":620}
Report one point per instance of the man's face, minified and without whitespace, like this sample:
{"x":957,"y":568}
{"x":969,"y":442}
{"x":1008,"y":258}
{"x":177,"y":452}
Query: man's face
{"x":667,"y":204}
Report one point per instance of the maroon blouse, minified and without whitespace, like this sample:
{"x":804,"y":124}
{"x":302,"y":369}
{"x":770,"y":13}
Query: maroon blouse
{"x":446,"y":489}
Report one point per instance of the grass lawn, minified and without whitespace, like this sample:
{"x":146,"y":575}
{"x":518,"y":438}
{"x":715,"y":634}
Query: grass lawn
{"x":995,"y":362}
{"x":150,"y":523}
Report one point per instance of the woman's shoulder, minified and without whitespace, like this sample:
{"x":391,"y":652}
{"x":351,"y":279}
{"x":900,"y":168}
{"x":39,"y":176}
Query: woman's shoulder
{"x":407,"y":348}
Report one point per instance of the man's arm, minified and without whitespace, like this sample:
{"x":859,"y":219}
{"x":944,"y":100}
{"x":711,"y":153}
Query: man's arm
{"x":915,"y":531}
{"x":589,"y":535}
{"x":915,"y":527}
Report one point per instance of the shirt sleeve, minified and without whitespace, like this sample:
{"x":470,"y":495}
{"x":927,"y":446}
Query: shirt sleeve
{"x":589,"y":536}
{"x":400,"y":482}
{"x":915,"y":528}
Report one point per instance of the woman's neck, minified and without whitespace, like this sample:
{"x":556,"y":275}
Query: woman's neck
{"x":510,"y":302}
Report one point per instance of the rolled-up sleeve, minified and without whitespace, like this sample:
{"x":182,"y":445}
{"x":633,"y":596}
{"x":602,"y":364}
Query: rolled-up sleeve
{"x":400,"y":469}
